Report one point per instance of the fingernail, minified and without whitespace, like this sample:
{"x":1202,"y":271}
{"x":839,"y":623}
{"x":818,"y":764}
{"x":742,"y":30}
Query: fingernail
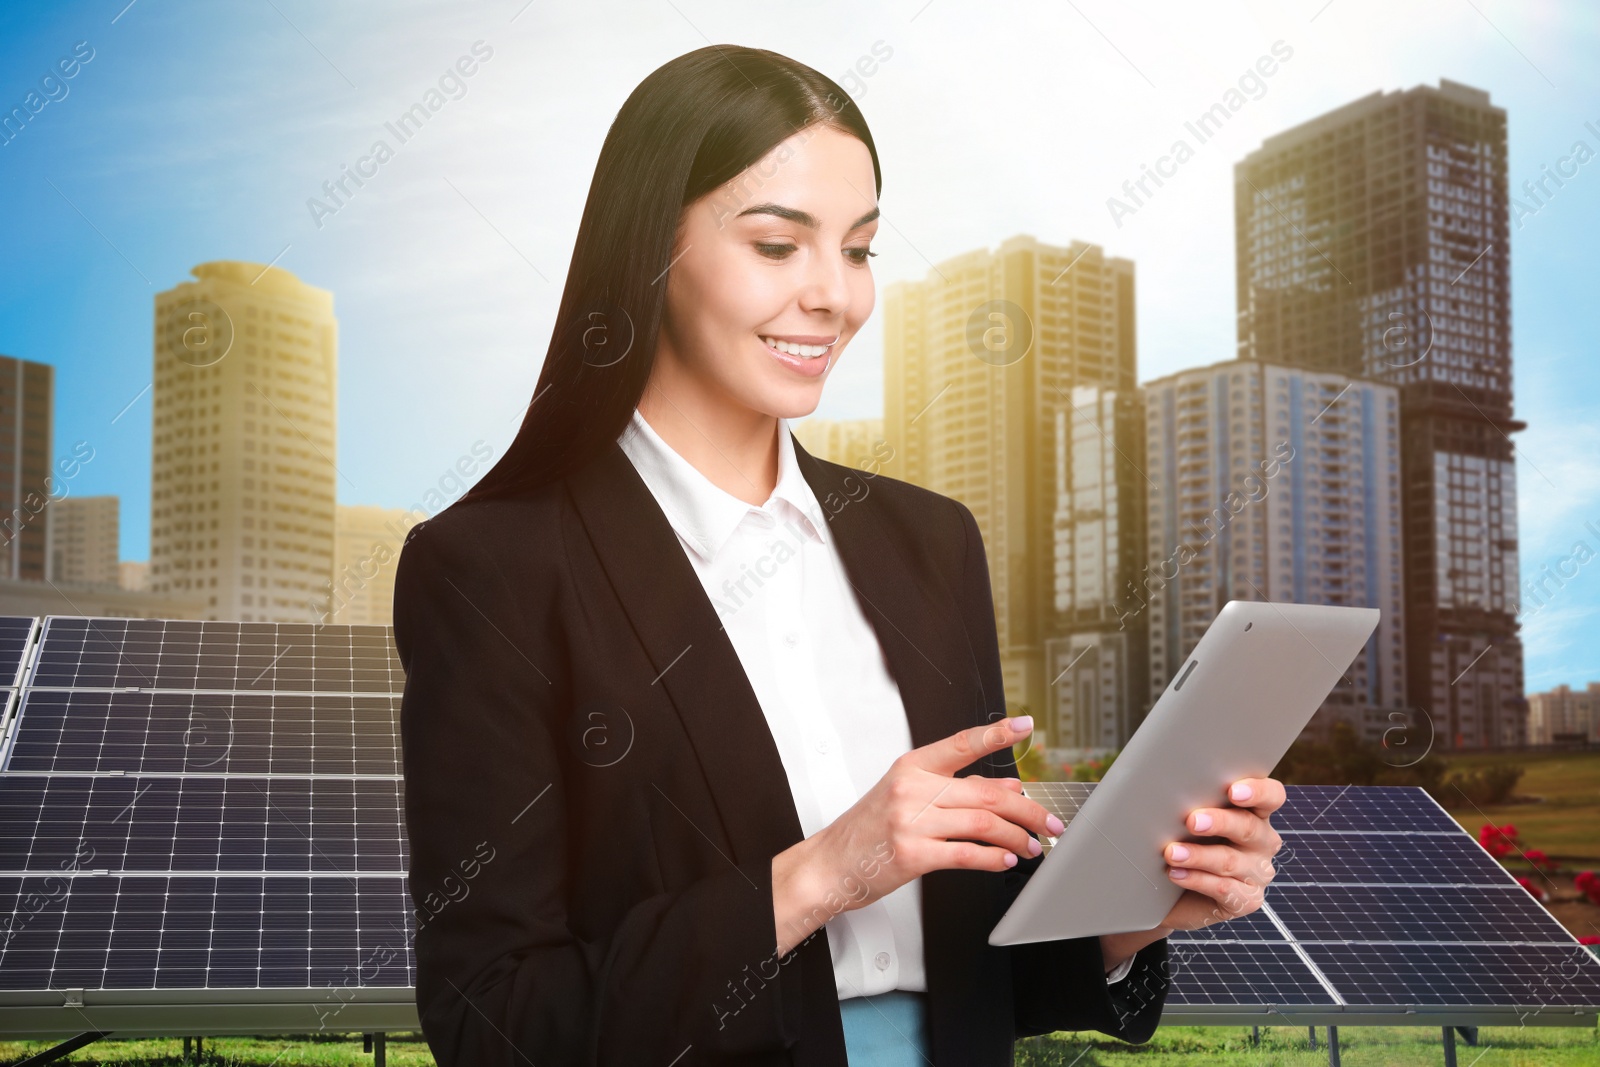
{"x":1178,"y":873}
{"x":1179,"y":853}
{"x":1241,"y":793}
{"x":1021,"y":724}
{"x":1034,"y":848}
{"x":1202,"y":823}
{"x":1011,"y":859}
{"x":1054,"y":825}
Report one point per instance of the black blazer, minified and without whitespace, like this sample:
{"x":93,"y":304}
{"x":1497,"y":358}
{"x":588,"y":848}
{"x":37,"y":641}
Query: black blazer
{"x":593,"y":797}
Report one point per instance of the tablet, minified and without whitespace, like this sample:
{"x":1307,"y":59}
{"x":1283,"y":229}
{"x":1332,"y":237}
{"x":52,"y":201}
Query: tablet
{"x":1257,"y":675}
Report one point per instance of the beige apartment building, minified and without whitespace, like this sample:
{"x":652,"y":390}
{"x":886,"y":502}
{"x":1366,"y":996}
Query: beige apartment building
{"x":366,"y":552}
{"x":84,"y":541}
{"x":980,"y":358}
{"x":857,"y":443}
{"x":243,"y":451}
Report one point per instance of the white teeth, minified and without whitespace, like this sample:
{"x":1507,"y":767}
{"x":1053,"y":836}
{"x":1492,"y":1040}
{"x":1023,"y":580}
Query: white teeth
{"x":804,"y":351}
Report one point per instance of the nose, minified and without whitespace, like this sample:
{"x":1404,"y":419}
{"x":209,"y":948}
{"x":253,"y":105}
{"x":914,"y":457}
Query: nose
{"x":825,"y":287}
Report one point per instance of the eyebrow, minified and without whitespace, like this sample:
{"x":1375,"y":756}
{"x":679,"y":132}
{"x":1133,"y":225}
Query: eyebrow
{"x":804,"y":218}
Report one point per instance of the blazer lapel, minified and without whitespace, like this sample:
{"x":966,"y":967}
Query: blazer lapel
{"x":912,"y":615}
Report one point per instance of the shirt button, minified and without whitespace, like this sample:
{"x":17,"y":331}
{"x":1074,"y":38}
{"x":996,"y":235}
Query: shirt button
{"x":791,"y":639}
{"x":882,"y":960}
{"x":822,"y":747}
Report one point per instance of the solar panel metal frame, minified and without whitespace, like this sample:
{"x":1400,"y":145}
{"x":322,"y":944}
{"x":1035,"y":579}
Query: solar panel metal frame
{"x":131,"y":1012}
{"x":1235,"y":949}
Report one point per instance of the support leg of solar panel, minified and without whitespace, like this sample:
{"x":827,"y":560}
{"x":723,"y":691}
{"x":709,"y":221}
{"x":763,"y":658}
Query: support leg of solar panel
{"x":378,"y":1058}
{"x":1449,"y":1046}
{"x":1255,"y":1036}
{"x":1313,"y":1030}
{"x":1333,"y":1046}
{"x":66,"y":1048}
{"x":1469,"y":1034}
{"x":188,"y":1048}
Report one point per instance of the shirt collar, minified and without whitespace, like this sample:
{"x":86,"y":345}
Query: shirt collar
{"x":703,"y":513}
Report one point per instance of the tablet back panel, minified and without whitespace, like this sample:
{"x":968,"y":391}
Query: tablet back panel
{"x":1241,"y":698}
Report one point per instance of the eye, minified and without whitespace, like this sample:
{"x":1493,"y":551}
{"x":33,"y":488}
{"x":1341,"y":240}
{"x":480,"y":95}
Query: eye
{"x":774,"y":251}
{"x":859,"y":254}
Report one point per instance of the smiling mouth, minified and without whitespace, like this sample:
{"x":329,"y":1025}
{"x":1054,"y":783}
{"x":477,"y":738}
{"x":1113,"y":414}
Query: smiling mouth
{"x":798,"y":351}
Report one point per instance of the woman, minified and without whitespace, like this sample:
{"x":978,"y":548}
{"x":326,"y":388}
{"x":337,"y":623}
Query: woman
{"x":680,"y":695}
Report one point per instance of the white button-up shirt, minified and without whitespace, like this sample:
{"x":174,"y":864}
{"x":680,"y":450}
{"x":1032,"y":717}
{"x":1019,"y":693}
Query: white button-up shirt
{"x":774,"y":575}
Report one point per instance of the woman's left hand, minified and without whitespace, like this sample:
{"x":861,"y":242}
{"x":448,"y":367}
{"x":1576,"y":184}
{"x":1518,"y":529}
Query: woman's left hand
{"x":1225,"y":881}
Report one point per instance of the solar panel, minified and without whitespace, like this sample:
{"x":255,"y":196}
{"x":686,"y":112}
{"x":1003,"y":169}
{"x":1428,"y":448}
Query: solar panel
{"x":1383,"y":910}
{"x":16,"y":636}
{"x":1239,"y":974}
{"x":84,"y":653}
{"x":217,"y":823}
{"x":214,"y":807}
{"x":1378,"y":914}
{"x":1362,"y":809}
{"x":1529,"y":977}
{"x":1448,"y":858}
{"x":225,"y":933}
{"x":139,"y":732}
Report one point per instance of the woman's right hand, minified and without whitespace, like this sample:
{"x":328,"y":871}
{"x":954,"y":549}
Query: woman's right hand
{"x":918,"y":818}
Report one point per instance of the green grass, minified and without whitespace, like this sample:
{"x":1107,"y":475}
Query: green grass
{"x":1287,"y":1046}
{"x":1223,"y":1046}
{"x":321,"y":1050}
{"x":1565,"y":819}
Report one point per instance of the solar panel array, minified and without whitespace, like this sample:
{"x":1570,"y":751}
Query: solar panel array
{"x":202,"y":805}
{"x":1381,"y":904}
{"x":217,"y":806}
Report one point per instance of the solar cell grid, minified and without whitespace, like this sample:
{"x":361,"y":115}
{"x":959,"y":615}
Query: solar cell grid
{"x":223,"y":656}
{"x":1504,"y":975}
{"x":1419,"y":859}
{"x":1369,"y":913}
{"x":199,"y":932}
{"x":1365,"y":809}
{"x":1253,"y":927}
{"x":221,"y":823}
{"x":16,"y":634}
{"x":1240,"y":973}
{"x":242,"y":733}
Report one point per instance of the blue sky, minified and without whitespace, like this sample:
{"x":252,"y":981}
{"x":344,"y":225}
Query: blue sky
{"x":199,"y":131}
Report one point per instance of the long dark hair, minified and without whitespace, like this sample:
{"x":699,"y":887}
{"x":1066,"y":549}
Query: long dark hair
{"x":695,"y":123}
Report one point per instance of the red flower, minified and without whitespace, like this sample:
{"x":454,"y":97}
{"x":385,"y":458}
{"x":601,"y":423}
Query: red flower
{"x":1533,"y":890}
{"x":1584,"y":880}
{"x":1537,"y":858}
{"x":1589,"y":939}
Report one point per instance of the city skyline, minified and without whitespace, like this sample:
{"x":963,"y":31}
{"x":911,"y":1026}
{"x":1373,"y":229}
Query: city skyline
{"x":395,"y":445}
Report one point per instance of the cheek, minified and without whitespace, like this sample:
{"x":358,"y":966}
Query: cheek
{"x":863,"y":297}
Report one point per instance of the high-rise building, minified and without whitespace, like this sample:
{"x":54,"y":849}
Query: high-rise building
{"x":857,"y":443}
{"x":243,"y":475}
{"x":1564,"y":715}
{"x":1097,"y":668}
{"x":367,"y":550}
{"x":133,"y":575}
{"x":1373,"y":242}
{"x":84,"y":540}
{"x":979,"y":357}
{"x":1279,"y":484}
{"x":27,"y":405}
